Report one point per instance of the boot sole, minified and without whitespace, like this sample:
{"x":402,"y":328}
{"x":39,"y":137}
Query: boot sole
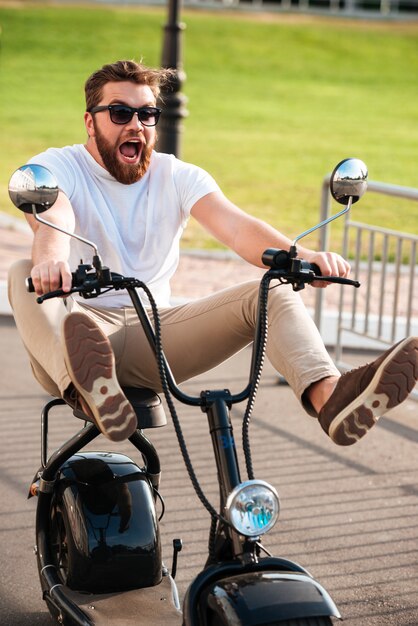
{"x":392,"y":383}
{"x":91,"y":364}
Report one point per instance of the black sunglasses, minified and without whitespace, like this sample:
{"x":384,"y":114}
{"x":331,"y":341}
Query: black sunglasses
{"x":122,"y":114}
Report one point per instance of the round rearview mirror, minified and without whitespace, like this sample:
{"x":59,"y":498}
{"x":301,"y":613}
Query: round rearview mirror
{"x":33,"y":188}
{"x":349,"y":179}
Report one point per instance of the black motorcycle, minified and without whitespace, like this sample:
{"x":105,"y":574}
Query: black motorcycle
{"x":98,"y":544}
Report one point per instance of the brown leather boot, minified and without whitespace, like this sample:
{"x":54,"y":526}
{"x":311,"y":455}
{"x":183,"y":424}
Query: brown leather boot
{"x":91,"y":364}
{"x":364,"y":394}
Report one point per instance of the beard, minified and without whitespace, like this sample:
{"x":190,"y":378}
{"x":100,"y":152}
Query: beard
{"x":125,"y":173}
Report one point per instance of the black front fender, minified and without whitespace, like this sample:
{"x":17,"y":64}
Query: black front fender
{"x":265,"y":597}
{"x":259,"y":596}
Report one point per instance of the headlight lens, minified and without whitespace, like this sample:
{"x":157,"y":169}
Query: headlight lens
{"x":253,"y":507}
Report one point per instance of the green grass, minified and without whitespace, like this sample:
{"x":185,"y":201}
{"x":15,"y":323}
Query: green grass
{"x":274,"y":101}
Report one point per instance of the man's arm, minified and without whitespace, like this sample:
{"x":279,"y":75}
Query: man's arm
{"x":51,"y":249}
{"x":249,"y":237}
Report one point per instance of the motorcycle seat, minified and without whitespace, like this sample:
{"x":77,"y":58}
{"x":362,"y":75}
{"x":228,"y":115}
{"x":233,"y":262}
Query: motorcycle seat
{"x":146,"y":404}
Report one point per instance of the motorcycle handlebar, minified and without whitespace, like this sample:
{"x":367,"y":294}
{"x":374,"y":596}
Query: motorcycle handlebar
{"x":51,"y":294}
{"x":282,"y":259}
{"x":298,"y":272}
{"x":31,"y":289}
{"x":79,"y":279}
{"x":90,"y":283}
{"x":29,"y":285}
{"x":287,"y":266}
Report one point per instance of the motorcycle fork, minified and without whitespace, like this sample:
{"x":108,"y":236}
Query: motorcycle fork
{"x":217,"y":406}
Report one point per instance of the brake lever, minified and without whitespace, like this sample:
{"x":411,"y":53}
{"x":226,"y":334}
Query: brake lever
{"x":289,"y":269}
{"x":298,"y":280}
{"x":87,"y":285}
{"x":90,"y":289}
{"x":337,"y":279}
{"x":54,"y":294}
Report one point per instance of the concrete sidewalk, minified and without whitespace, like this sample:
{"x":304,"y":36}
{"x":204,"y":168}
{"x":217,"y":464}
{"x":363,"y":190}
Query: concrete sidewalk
{"x":349,"y":515}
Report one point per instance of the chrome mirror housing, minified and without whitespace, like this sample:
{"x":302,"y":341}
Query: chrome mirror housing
{"x":348,"y":180}
{"x":33,"y":189}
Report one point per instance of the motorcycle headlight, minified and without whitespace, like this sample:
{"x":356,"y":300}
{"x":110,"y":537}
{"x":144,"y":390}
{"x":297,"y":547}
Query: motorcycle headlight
{"x":252,"y":507}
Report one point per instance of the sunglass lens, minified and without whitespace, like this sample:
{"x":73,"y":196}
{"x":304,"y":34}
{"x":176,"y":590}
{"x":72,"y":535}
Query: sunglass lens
{"x":148,"y":116}
{"x":121,"y":114}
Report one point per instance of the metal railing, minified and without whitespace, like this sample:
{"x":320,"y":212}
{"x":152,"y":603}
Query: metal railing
{"x":394,"y":9}
{"x":385,"y":262}
{"x":358,"y":8}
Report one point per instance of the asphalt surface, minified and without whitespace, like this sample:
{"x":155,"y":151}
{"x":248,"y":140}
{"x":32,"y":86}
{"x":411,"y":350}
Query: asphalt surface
{"x":349,"y":515}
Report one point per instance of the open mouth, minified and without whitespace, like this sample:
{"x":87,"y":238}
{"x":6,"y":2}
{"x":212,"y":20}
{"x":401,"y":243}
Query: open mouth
{"x":131,"y":151}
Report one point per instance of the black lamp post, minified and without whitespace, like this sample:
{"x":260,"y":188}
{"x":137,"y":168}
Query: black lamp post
{"x":173,"y":101}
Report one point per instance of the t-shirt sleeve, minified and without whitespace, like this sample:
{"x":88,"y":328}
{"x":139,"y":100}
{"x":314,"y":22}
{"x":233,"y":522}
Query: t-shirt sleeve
{"x":60,"y":167}
{"x":192,"y":183}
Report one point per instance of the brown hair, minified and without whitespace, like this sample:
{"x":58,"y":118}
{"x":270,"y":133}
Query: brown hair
{"x":121,"y":71}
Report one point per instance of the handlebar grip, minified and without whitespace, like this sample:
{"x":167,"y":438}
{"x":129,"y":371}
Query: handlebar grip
{"x":31,"y":289}
{"x":29,"y":285}
{"x":276,"y":258}
{"x":315,"y":268}
{"x":282,"y":260}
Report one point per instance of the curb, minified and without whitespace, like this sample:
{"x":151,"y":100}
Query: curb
{"x":4,"y":301}
{"x":10,"y":222}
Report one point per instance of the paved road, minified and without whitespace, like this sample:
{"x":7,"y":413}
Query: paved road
{"x":348,"y":515}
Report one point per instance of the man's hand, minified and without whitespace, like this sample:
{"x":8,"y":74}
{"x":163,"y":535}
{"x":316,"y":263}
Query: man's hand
{"x":330,"y":264}
{"x":51,"y":275}
{"x":51,"y":248}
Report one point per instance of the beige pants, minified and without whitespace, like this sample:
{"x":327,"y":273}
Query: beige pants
{"x":196,"y":336}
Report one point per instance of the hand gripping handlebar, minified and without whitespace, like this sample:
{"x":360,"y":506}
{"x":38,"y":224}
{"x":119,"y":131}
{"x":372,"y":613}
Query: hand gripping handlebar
{"x":85,"y":281}
{"x":283,"y":264}
{"x":289,"y":269}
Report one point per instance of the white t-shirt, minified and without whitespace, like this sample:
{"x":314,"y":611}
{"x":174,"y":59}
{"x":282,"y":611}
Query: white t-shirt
{"x":137,"y":227}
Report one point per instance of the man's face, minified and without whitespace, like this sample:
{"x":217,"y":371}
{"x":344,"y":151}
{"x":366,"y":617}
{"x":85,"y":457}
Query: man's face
{"x":123,"y":149}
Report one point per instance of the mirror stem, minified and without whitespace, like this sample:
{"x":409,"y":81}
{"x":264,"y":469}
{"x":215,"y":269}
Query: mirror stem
{"x":86,"y":241}
{"x":324,"y":222}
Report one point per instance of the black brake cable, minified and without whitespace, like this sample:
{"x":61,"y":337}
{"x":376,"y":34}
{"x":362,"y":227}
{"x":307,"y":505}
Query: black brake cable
{"x":174,"y":416}
{"x":259,"y":356}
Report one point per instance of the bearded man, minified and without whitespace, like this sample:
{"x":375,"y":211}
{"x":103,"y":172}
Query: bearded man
{"x":134,"y":203}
